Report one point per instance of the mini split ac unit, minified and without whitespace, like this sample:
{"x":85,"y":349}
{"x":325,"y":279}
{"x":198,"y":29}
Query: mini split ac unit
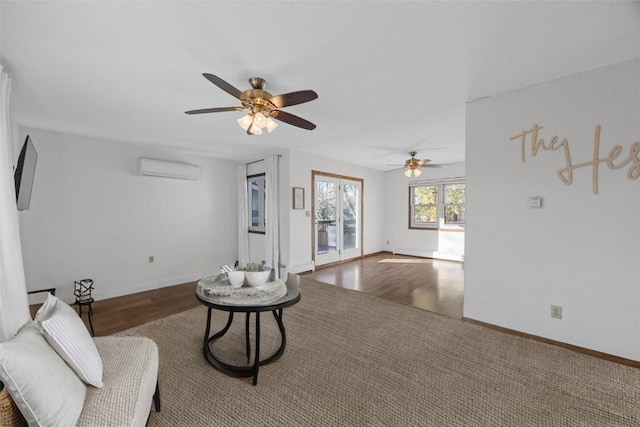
{"x":149,"y":167}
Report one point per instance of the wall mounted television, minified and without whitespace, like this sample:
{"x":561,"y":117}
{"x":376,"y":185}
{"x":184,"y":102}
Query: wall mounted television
{"x":24,"y":174}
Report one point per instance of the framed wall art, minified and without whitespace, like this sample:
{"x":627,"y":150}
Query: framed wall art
{"x":298,"y":198}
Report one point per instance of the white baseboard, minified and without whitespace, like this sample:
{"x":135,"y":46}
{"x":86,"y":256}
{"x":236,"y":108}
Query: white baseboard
{"x":299,"y":268}
{"x":428,"y":253}
{"x":102,"y":293}
{"x":425,"y":253}
{"x":449,"y":256}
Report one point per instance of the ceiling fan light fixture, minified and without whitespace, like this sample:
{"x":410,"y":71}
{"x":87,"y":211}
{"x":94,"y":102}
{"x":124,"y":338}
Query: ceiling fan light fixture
{"x":255,"y":130}
{"x":245,"y":121}
{"x":255,"y":122}
{"x":259,"y":120}
{"x":412,"y":171}
{"x":271,"y":124}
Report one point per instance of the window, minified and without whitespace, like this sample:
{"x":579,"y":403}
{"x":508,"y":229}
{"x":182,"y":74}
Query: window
{"x":454,"y":203}
{"x":257,"y":199}
{"x":425,"y":205}
{"x":436,"y":205}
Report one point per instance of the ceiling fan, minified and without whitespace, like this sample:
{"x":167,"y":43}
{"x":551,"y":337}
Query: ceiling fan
{"x":263,"y":107}
{"x":414,"y":166}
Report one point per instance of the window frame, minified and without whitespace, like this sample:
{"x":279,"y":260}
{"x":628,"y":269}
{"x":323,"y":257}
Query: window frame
{"x":262,"y":194}
{"x":441,"y":223}
{"x":445,"y":205}
{"x":412,"y":207}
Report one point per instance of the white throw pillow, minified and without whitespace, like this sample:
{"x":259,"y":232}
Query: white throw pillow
{"x":44,"y":388}
{"x":68,"y":336}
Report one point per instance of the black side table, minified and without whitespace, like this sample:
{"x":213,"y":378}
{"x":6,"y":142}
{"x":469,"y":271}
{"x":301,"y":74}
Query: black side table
{"x":83,"y":297}
{"x":276,"y":307}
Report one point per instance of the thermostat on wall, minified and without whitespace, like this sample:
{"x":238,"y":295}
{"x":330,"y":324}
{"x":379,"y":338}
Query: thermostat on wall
{"x":535,"y":202}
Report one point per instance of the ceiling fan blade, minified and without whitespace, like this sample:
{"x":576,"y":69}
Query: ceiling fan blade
{"x":393,"y":170}
{"x":231,"y":90}
{"x":214,"y":110}
{"x":434,"y":166}
{"x":292,"y":120}
{"x":293,"y":98}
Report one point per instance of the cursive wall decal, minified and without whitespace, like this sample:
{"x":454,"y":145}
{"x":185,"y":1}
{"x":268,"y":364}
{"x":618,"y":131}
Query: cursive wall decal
{"x":530,"y":137}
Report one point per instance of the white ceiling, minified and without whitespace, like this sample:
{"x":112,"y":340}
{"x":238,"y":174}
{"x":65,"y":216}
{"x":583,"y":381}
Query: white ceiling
{"x":391,"y":76}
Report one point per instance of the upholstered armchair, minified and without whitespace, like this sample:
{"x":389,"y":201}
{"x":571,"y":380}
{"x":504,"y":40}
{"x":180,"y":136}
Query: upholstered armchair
{"x":57,"y":374}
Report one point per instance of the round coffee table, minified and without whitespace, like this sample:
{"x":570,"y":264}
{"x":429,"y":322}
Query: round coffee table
{"x":276,"y":307}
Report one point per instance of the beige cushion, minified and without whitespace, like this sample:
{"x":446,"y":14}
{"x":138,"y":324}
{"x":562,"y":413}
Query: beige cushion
{"x":130,"y":376}
{"x":45,"y":389}
{"x":68,"y":336}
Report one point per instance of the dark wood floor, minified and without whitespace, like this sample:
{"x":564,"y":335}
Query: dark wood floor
{"x":117,"y":314}
{"x":429,"y":284}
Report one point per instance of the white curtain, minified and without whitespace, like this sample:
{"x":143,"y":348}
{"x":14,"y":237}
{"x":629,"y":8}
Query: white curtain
{"x":14,"y":305}
{"x":272,"y":252}
{"x":243,"y":216}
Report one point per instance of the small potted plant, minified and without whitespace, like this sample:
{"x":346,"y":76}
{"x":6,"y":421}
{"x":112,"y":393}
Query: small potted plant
{"x":256,"y":274}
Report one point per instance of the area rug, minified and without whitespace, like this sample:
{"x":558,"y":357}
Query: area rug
{"x":357,"y":360}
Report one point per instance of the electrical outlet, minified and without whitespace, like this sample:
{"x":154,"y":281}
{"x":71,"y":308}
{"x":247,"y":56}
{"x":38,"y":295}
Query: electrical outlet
{"x":151,"y":259}
{"x":556,"y":312}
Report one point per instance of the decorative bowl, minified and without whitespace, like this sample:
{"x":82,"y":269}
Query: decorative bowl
{"x":257,"y":278}
{"x":236,"y":278}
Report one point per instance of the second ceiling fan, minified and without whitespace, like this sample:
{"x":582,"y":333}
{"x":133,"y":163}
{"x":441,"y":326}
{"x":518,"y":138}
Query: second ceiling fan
{"x":263,"y":107}
{"x":414,"y":166}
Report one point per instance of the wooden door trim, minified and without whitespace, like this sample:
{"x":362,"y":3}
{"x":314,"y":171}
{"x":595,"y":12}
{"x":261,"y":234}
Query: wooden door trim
{"x":315,"y":173}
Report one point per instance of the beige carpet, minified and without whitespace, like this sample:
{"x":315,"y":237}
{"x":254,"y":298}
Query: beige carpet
{"x":356,"y":360}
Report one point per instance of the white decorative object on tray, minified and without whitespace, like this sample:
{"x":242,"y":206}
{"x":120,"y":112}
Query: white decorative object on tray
{"x":218,"y":290}
{"x":257,"y":278}
{"x":236,"y":278}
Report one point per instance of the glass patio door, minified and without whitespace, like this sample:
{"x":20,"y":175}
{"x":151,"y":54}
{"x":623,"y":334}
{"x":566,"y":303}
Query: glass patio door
{"x":337,"y":217}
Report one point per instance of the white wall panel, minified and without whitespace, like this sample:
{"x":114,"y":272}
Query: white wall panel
{"x":425,"y":243}
{"x":92,"y":216}
{"x":579,"y":251}
{"x":300,"y":167}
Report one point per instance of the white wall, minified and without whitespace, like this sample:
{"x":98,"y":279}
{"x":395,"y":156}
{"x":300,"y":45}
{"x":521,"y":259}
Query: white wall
{"x":300,"y":226}
{"x":581,"y":250}
{"x":295,"y":224}
{"x":91,"y":216}
{"x":427,"y":243}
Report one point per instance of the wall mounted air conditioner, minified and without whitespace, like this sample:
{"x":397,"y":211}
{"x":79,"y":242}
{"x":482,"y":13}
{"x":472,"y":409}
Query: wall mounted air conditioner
{"x":149,"y":167}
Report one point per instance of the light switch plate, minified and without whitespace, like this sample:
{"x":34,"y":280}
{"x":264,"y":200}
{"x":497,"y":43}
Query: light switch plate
{"x":535,"y":202}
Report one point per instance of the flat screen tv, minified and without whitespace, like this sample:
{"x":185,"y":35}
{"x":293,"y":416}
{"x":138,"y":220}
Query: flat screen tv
{"x":24,"y":174}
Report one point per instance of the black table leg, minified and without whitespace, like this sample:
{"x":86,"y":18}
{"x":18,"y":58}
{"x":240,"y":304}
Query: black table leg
{"x":246,"y":337}
{"x":207,"y":339}
{"x":208,"y":328}
{"x":283,"y":339}
{"x":90,"y":315}
{"x":256,"y":363}
{"x":243,"y":371}
{"x":90,"y":311}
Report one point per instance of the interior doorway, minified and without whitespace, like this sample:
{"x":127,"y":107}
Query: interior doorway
{"x":337,"y":217}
